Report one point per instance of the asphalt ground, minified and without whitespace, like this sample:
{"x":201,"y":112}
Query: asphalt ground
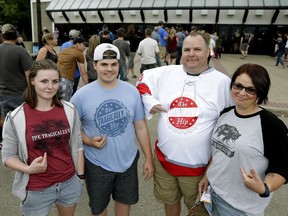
{"x":147,"y":205}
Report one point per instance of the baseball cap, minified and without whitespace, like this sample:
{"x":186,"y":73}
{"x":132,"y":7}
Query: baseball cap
{"x":73,"y":33}
{"x":8,"y":28}
{"x":100,"y":49}
{"x":80,"y":40}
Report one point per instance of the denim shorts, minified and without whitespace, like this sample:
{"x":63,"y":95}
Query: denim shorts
{"x":101,"y":184}
{"x":221,"y":208}
{"x":65,"y":194}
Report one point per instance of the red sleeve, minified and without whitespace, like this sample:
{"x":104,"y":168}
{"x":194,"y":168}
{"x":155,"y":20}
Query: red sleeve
{"x":143,"y":89}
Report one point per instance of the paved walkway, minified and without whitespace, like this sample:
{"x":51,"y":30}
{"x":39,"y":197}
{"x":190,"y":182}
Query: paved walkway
{"x":147,"y":205}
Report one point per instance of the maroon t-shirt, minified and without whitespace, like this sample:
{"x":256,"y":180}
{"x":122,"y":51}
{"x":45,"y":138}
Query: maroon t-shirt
{"x":49,"y":131}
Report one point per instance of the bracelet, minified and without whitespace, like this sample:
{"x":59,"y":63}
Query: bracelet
{"x":266,"y":193}
{"x":81,"y":176}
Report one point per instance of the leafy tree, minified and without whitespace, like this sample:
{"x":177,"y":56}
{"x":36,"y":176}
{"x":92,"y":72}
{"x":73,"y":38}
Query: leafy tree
{"x":17,"y":12}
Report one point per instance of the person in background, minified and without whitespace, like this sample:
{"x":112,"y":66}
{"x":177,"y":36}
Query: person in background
{"x":281,"y":50}
{"x":148,"y":50}
{"x":105,"y":37}
{"x":124,"y":49}
{"x":189,"y":99}
{"x":19,"y":41}
{"x":47,"y":51}
{"x":218,"y":48}
{"x":112,"y":113}
{"x":68,"y":60}
{"x":163,"y":41}
{"x":45,"y":31}
{"x":42,"y":143}
{"x":73,"y":33}
{"x":15,"y":64}
{"x":133,"y":41}
{"x":94,"y":41}
{"x":155,"y":35}
{"x":245,"y":41}
{"x":111,"y":35}
{"x":249,"y":149}
{"x":171,"y":46}
{"x":56,"y":33}
{"x":180,"y":38}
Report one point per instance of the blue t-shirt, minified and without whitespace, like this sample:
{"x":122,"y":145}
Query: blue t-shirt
{"x":162,"y":34}
{"x":67,"y":45}
{"x":110,"y":112}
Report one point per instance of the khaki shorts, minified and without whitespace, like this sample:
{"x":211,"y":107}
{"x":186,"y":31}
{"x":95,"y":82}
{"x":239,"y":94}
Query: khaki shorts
{"x":169,"y":189}
{"x":162,"y":52}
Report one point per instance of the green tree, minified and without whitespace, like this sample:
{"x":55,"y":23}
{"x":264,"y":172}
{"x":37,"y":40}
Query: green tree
{"x":17,"y":12}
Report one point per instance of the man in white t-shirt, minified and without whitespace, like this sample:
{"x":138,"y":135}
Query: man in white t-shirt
{"x":148,"y":49}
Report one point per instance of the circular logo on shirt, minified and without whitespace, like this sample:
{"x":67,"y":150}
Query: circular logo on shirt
{"x":112,"y":117}
{"x":182,"y":114}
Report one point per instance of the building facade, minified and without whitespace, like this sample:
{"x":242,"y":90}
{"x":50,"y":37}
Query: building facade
{"x":262,"y":18}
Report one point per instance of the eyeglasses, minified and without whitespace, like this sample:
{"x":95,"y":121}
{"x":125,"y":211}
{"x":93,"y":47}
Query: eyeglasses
{"x":240,"y":87}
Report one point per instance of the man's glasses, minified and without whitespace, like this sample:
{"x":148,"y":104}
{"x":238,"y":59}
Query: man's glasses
{"x":240,"y":87}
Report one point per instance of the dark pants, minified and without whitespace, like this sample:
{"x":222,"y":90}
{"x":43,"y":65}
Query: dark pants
{"x":179,"y":50}
{"x":76,"y":82}
{"x":147,"y":66}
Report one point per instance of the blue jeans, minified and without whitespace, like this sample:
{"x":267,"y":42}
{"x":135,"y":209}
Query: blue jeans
{"x":279,"y":57}
{"x":123,"y":72}
{"x":158,"y":60}
{"x":221,"y":208}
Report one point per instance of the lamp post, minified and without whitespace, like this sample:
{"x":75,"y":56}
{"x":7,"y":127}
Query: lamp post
{"x":39,"y":22}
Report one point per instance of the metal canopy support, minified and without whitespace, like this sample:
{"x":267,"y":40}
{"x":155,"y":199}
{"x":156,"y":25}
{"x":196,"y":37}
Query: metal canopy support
{"x":245,"y":16}
{"x":142,"y":15}
{"x":120,"y":16}
{"x":217,"y":16}
{"x":165,"y":16}
{"x":190,"y":15}
{"x":275,"y":15}
{"x":82,"y":16}
{"x":50,"y":16}
{"x":100,"y":16}
{"x":65,"y":16}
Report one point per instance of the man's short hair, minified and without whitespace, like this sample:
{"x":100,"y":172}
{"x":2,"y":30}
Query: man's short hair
{"x":148,"y":32}
{"x":120,"y":32}
{"x":160,"y":23}
{"x":105,"y":32}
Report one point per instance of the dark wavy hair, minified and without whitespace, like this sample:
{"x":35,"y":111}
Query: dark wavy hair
{"x":30,"y":96}
{"x":260,"y":78}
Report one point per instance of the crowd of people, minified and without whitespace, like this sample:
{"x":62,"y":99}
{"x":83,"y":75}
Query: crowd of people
{"x":213,"y":135}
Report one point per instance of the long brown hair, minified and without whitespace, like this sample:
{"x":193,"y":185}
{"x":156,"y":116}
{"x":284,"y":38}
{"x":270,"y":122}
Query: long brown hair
{"x":30,"y":96}
{"x":94,"y":41}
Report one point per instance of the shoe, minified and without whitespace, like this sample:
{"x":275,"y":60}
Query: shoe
{"x":242,"y":57}
{"x":134,"y":76}
{"x":127,"y":79}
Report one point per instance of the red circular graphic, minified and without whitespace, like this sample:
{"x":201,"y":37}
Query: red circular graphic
{"x":181,"y":113}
